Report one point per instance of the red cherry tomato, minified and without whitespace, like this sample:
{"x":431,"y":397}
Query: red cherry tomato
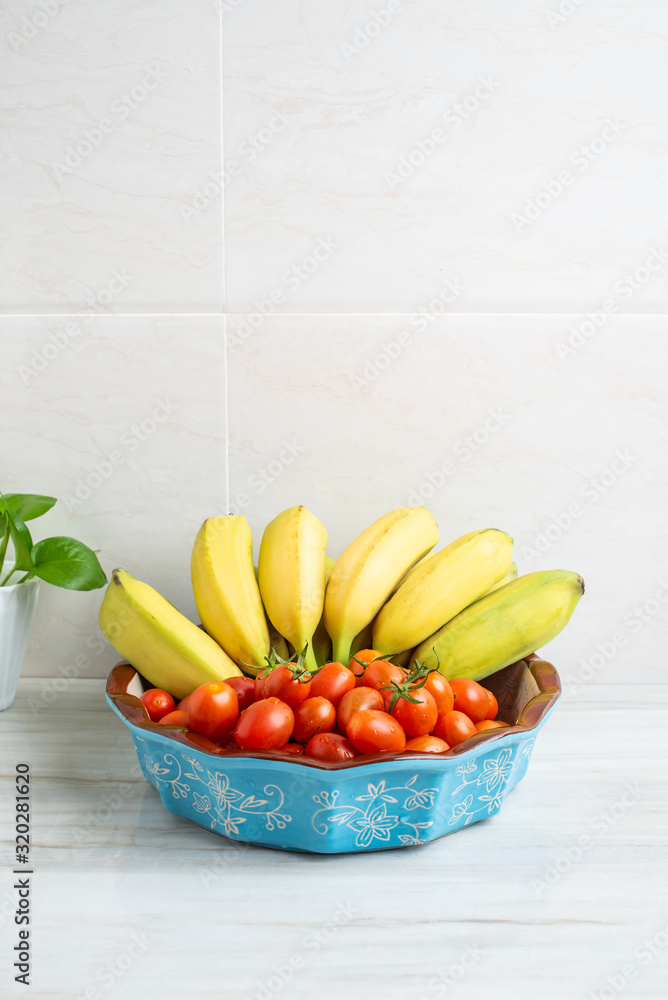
{"x":330,"y":746}
{"x":157,"y":703}
{"x":183,"y":704}
{"x":265,"y":725}
{"x":355,"y":701}
{"x":454,"y":728}
{"x":380,"y":674}
{"x":417,"y":718}
{"x":315,"y":715}
{"x":493,"y":709}
{"x":372,"y":731}
{"x":175,"y":718}
{"x":245,"y":690}
{"x":213,"y":710}
{"x":281,"y":683}
{"x":470,"y":698}
{"x":359,"y":662}
{"x":441,"y":691}
{"x":426,"y":744}
{"x":487,"y":724}
{"x":295,"y":749}
{"x":332,"y":681}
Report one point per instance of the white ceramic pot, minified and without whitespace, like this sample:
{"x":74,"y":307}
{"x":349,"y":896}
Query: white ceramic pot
{"x":17,"y":610}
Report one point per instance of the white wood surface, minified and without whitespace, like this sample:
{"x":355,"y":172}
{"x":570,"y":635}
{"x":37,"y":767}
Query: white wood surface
{"x":216,"y":921}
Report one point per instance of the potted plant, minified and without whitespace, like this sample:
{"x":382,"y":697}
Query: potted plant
{"x":61,"y":561}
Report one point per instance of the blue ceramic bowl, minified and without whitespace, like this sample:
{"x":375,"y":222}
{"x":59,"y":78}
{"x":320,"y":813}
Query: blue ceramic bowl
{"x":366,"y":804}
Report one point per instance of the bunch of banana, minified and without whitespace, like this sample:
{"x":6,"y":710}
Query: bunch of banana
{"x":442,"y":586}
{"x":292,"y":575}
{"x":158,"y":640}
{"x":369,"y":570}
{"x":226,"y":591}
{"x":504,"y":626}
{"x":462,"y":609}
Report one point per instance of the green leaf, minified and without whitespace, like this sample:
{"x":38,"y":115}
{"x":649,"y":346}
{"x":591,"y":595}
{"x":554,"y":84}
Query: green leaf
{"x":64,"y":562}
{"x":29,"y":505}
{"x":20,"y":536}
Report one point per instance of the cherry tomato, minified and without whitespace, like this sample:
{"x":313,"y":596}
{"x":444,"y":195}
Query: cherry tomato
{"x":296,"y":749}
{"x":157,"y":703}
{"x":371,"y":731}
{"x":183,"y":704}
{"x":281,"y":683}
{"x":380,"y":674}
{"x":213,"y":710}
{"x":486,"y":724}
{"x":245,"y":690}
{"x":493,"y":709}
{"x":330,"y":746}
{"x":454,"y":727}
{"x":315,"y":715}
{"x":265,"y":725}
{"x":175,"y":718}
{"x":426,"y":744}
{"x":332,"y":681}
{"x":470,"y":698}
{"x":359,"y":663}
{"x":441,"y":691}
{"x":417,"y":718}
{"x":355,"y":701}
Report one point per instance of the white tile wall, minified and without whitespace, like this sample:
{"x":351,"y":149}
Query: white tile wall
{"x":125,"y":424}
{"x":376,"y":321}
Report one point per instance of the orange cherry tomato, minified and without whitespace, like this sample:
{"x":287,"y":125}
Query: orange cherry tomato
{"x":426,"y":744}
{"x":356,"y":700}
{"x":296,"y":749}
{"x":493,"y":709}
{"x":175,"y":718}
{"x":213,"y":710}
{"x":471,"y":698}
{"x":183,"y":704}
{"x":265,"y":725}
{"x":454,"y":727}
{"x":359,"y":662}
{"x":439,"y":688}
{"x":486,"y":724}
{"x":371,"y":731}
{"x":418,"y":717}
{"x":332,"y":681}
{"x":380,"y":674}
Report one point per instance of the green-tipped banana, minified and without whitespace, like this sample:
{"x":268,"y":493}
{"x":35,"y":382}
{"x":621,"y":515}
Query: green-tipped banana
{"x":369,"y":570}
{"x":504,"y":626}
{"x":291,"y":573}
{"x":158,"y":640}
{"x":442,"y":586}
{"x":226,"y":591}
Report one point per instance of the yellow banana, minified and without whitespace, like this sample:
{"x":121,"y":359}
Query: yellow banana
{"x":510,"y":575}
{"x":369,"y":570}
{"x":291,"y":573}
{"x":226,"y":591}
{"x":504,"y":626}
{"x":442,"y":586}
{"x":158,"y":640}
{"x":363,"y":639}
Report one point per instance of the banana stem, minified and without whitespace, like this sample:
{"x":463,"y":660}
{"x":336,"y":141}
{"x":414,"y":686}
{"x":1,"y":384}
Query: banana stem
{"x":341,"y":650}
{"x":310,"y":661}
